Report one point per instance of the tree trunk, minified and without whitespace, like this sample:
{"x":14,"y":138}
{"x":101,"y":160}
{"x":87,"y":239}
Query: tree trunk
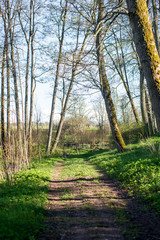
{"x":2,"y":101}
{"x":155,"y":24}
{"x":25,"y":151}
{"x":16,"y":95}
{"x":8,"y":92}
{"x":26,"y":91}
{"x":60,"y":125}
{"x":105,"y":88}
{"x":32,"y":87}
{"x":27,"y":69}
{"x":147,"y":51}
{"x":7,"y":28}
{"x":149,"y":114}
{"x":56,"y":82}
{"x":142,"y":98}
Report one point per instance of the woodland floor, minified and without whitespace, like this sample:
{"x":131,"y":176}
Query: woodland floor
{"x":95,"y":207}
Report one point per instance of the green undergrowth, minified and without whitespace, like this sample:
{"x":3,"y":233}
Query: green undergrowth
{"x":22,"y":202}
{"x":77,"y":168}
{"x":138,"y":168}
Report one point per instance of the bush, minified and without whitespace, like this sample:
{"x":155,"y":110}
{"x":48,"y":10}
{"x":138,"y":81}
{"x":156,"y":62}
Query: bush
{"x":131,"y":133}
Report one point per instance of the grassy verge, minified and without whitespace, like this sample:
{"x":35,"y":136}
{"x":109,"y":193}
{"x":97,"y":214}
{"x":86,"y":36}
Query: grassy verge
{"x":22,"y":203}
{"x":77,"y":168}
{"x":138,"y":169}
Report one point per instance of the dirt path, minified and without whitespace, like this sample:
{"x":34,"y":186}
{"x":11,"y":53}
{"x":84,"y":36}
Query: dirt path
{"x":84,"y":208}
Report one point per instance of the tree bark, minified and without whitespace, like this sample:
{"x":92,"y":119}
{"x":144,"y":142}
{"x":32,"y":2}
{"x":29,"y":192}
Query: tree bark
{"x":147,"y":51}
{"x":155,"y":24}
{"x":105,"y":88}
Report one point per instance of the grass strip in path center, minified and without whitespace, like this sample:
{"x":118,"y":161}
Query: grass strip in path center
{"x":78,"y":168}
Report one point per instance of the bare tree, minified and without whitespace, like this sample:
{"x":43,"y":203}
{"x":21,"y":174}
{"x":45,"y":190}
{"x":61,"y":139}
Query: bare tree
{"x":118,"y":66}
{"x":56,"y":79}
{"x":2,"y":100}
{"x":75,"y":64}
{"x":28,"y":41}
{"x":32,"y":81}
{"x":105,"y":87}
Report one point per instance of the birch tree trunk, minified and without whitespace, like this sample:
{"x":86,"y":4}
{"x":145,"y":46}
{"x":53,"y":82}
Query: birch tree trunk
{"x":147,"y":51}
{"x":105,"y":88}
{"x":56,"y":81}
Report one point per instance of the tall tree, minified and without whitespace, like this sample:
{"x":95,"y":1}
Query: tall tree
{"x":143,"y":98}
{"x":14,"y":73}
{"x":155,"y":25}
{"x":146,"y":48}
{"x":32,"y":81}
{"x":56,"y":80}
{"x":6,"y":28}
{"x":119,"y":66}
{"x":28,"y":41}
{"x":75,"y":64}
{"x":2,"y":99}
{"x":142,"y":84}
{"x":105,"y":87}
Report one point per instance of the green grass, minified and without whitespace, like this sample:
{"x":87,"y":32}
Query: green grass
{"x":130,"y":230}
{"x":138,"y":169}
{"x":66,"y":194}
{"x":22,"y":202}
{"x":77,"y":168}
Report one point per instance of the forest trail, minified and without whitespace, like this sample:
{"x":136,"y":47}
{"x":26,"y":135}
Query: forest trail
{"x":83,"y":204}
